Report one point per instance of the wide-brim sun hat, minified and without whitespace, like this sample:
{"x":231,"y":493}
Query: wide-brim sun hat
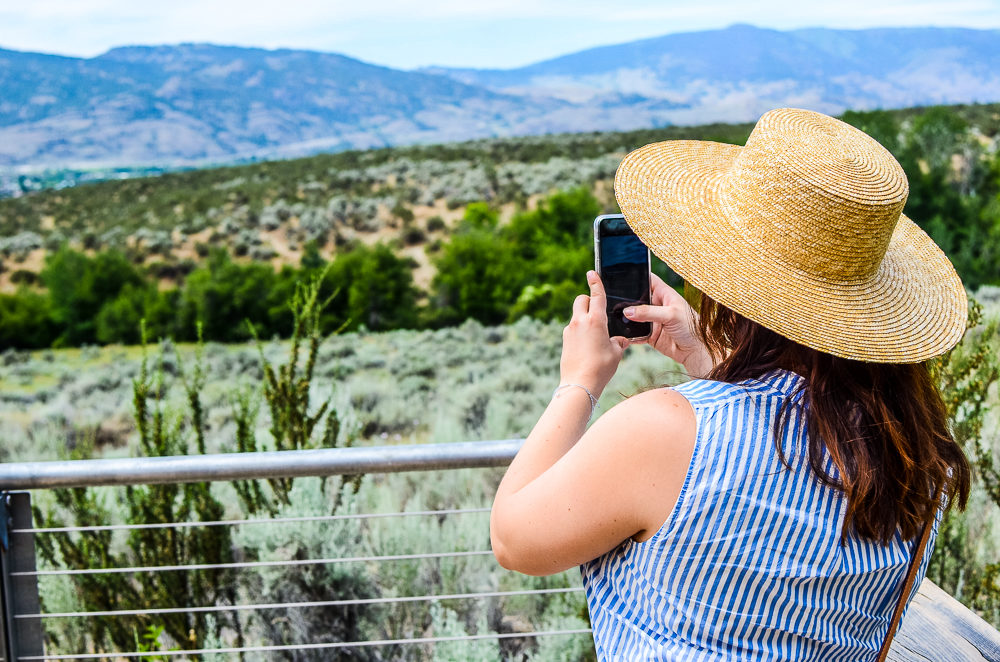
{"x":801,"y":231}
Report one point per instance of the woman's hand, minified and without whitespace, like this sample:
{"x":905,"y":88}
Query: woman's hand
{"x":674,"y":331}
{"x":589,"y":357}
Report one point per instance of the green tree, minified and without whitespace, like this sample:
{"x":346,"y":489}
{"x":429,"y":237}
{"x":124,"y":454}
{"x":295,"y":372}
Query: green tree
{"x":879,"y":124}
{"x":954,"y":191}
{"x":479,"y":216}
{"x":26,"y":320}
{"x":478,"y":276}
{"x":545,"y":301}
{"x":533,"y":266}
{"x":222,"y":295}
{"x":311,"y":259}
{"x":79,"y":286}
{"x":374,"y":287}
{"x":119,"y":319}
{"x":934,"y":137}
{"x":564,"y":219}
{"x":554,"y":244}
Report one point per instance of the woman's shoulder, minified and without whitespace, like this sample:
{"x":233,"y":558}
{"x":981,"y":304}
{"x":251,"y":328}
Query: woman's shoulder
{"x":653,"y":408}
{"x":660,"y":420}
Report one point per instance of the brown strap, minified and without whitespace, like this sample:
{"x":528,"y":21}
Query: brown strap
{"x":911,"y":576}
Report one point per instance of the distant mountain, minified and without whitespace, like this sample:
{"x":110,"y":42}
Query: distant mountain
{"x":201,"y":102}
{"x":737,"y":73}
{"x":195,"y":103}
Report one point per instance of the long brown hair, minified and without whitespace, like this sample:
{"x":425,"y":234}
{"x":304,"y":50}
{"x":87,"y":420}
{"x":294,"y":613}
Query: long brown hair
{"x":884,"y":426}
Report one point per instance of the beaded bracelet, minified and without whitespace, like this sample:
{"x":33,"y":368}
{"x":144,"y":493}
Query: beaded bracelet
{"x":593,"y":400}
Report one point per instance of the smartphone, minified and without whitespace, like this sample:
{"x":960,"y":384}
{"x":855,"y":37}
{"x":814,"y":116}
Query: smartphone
{"x":622,"y":261}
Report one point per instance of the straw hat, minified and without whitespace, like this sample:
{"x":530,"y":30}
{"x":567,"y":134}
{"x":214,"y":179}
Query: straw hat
{"x":801,"y":231}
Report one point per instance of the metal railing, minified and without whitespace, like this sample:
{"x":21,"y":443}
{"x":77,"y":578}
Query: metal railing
{"x":267,"y":464}
{"x":24,"y":635}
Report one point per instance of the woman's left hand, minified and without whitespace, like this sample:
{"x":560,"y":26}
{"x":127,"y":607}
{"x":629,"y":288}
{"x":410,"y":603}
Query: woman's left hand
{"x":589,"y":357}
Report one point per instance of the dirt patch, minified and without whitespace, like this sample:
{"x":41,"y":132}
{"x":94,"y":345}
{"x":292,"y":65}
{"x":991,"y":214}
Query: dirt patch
{"x":184,"y":247}
{"x":421,"y":213}
{"x":33,"y":262}
{"x":423,"y":273}
{"x":278,"y":240}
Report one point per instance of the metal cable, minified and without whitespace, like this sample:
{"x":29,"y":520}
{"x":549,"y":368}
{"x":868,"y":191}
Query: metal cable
{"x":248,"y":564}
{"x":289,"y":605}
{"x":239,"y":522}
{"x":287,"y":647}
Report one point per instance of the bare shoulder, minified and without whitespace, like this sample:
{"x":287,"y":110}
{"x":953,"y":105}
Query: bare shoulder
{"x":652,"y":435}
{"x":657,"y":413}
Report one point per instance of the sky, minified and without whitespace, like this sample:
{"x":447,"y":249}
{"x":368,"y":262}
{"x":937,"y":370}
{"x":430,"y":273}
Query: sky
{"x":474,"y":33}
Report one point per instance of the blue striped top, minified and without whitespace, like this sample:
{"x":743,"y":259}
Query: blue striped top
{"x":749,"y":565}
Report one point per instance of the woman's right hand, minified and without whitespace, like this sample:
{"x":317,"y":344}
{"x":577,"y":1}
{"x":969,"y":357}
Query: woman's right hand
{"x":674,"y":332}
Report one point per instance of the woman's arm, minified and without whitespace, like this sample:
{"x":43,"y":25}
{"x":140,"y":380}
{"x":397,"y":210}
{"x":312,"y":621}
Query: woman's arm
{"x":589,"y":360}
{"x":570,"y":496}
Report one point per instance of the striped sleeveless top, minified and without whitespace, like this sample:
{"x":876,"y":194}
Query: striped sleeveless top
{"x":749,"y":564}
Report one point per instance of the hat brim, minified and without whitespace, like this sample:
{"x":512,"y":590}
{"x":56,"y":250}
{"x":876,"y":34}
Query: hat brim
{"x":912,"y":309}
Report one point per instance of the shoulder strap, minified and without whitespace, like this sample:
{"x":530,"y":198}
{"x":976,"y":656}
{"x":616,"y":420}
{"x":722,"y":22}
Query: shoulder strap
{"x":911,"y":576}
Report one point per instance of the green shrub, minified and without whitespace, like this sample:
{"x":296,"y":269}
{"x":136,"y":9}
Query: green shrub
{"x":26,"y":320}
{"x":402,"y":212}
{"x":162,"y":431}
{"x":964,"y":561}
{"x":222,"y":295}
{"x":79,"y":286}
{"x":24,"y":277}
{"x":412,"y":235}
{"x":374,"y":289}
{"x":477,"y":277}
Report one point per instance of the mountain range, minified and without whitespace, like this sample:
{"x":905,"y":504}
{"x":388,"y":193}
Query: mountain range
{"x":194,"y":103}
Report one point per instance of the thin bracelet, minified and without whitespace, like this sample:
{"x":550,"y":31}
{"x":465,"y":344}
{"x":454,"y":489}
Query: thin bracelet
{"x":593,"y":400}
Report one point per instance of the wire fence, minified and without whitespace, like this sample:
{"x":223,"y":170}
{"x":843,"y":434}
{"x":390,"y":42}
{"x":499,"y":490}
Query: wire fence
{"x":444,"y":597}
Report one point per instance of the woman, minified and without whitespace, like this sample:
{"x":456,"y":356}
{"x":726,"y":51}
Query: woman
{"x":768,"y":509}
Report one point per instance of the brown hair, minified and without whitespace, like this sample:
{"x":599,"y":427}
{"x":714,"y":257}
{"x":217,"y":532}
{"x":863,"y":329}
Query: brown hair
{"x":884,"y":426}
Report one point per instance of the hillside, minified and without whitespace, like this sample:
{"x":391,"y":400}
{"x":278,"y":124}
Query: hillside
{"x":269,"y":211}
{"x":407,"y":237}
{"x":202,"y":103}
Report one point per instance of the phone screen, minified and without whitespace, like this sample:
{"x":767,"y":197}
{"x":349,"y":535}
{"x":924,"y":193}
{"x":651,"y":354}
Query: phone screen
{"x":623,"y":263}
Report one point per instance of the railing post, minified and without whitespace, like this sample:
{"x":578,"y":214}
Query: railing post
{"x":18,"y":594}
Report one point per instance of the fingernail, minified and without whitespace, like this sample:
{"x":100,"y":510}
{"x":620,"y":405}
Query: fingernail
{"x":629,"y":312}
{"x":591,"y":275}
